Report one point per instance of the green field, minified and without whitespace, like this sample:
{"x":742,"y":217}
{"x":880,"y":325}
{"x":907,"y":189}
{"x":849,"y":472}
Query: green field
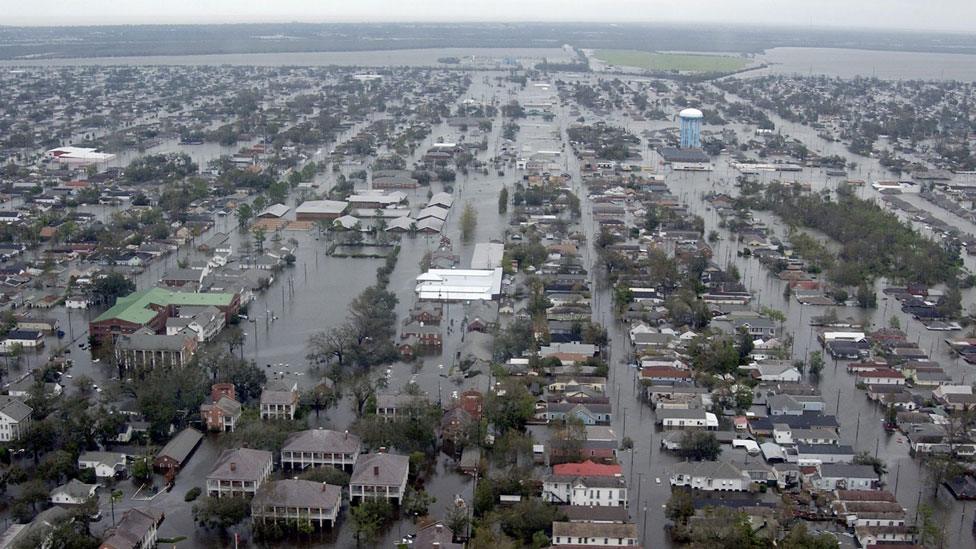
{"x":682,"y":62}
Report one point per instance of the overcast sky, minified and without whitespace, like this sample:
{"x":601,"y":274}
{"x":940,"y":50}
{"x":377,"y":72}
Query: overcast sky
{"x":951,"y":15}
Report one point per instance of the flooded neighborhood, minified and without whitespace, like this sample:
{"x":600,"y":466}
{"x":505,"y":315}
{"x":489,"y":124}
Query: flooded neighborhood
{"x":470,"y":294}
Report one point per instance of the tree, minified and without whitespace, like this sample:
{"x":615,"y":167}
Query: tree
{"x":469,"y":221}
{"x":247,"y":377}
{"x":336,"y":342}
{"x":511,"y":409}
{"x":244,"y":214}
{"x":369,"y":518}
{"x":141,"y":470}
{"x":929,"y":531}
{"x":221,"y":513}
{"x":816,"y":363}
{"x":865,"y":458}
{"x":799,"y":537}
{"x":111,"y":287}
{"x":699,"y":446}
{"x":525,"y":518}
{"x":951,"y":303}
{"x":894,"y":323}
{"x":680,"y":506}
{"x":259,"y":237}
{"x":327,"y":474}
{"x":417,"y":502}
{"x":503,"y":200}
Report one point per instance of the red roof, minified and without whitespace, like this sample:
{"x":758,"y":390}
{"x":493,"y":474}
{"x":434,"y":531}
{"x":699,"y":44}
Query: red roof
{"x":586,"y":469}
{"x":884,"y":372}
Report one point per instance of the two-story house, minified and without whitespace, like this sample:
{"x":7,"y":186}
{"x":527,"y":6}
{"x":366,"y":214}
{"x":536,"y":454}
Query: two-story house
{"x":239,"y":472}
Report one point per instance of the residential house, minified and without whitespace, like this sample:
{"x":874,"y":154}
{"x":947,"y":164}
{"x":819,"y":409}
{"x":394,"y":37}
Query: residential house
{"x":321,"y":448}
{"x":778,"y":371}
{"x":239,"y":472}
{"x":146,"y":350}
{"x":379,"y":475}
{"x":694,"y":418}
{"x":279,"y":400}
{"x":593,"y":534}
{"x":105,"y":464}
{"x":590,"y":413}
{"x":222,"y":410}
{"x":710,"y":476}
{"x":586,"y":483}
{"x":297,"y":501}
{"x":15,"y":418}
{"x":27,"y":339}
{"x":843,"y":476}
{"x":809,"y":454}
{"x":74,"y":492}
{"x":881,"y":376}
{"x":435,"y":535}
{"x":138,"y":529}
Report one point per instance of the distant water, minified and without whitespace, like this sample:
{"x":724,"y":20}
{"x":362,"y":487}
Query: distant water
{"x":887,"y":65}
{"x":424,"y":57}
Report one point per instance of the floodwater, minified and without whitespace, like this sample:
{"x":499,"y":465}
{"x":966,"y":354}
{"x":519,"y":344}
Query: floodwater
{"x":379,"y":58}
{"x":313,"y":296}
{"x":849,"y":63}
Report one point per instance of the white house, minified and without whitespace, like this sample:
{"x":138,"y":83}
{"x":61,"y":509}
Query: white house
{"x":842,"y":476}
{"x":74,"y":492}
{"x":105,"y":464}
{"x":881,"y":376}
{"x":593,"y":534}
{"x":694,"y":418}
{"x":15,"y":418}
{"x":587,"y":484}
{"x":710,"y":476}
{"x":780,"y":370}
{"x":379,"y":475}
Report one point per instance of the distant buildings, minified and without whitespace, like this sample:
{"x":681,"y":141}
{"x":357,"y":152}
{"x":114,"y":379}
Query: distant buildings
{"x":78,"y":156}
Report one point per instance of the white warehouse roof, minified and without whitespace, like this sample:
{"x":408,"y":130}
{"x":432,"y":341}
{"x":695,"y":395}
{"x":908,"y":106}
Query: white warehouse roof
{"x":459,"y":284}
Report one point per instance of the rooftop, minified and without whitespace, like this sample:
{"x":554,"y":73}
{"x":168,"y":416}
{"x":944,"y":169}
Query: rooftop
{"x":136,"y":307}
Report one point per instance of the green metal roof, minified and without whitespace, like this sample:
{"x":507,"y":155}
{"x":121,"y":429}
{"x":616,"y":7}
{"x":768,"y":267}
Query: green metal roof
{"x":135,"y":306}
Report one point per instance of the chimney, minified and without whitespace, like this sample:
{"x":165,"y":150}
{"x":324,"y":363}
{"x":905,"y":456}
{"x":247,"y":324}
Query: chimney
{"x":382,"y":450}
{"x":439,"y":528}
{"x":324,"y":485}
{"x":376,"y":470}
{"x":345,"y":434}
{"x":233,"y":466}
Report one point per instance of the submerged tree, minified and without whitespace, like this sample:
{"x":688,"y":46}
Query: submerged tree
{"x":469,"y":221}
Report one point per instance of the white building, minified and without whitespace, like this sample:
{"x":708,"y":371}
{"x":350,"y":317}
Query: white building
{"x":460,"y":284}
{"x":593,"y":534}
{"x":105,"y":464}
{"x":78,"y":155}
{"x":15,"y":418}
{"x":320,"y":447}
{"x":380,"y":476}
{"x":74,"y":492}
{"x":710,"y":476}
{"x":239,"y":472}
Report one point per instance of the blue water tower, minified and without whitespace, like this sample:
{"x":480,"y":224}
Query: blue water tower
{"x":691,"y":121}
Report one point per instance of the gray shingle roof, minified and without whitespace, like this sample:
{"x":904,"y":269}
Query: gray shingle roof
{"x":381,"y":470}
{"x":322,"y":440}
{"x":248,"y":464}
{"x":298,"y":493}
{"x":14,"y":408}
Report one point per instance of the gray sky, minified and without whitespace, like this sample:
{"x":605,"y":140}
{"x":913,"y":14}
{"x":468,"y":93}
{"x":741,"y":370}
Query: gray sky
{"x":951,"y":15}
